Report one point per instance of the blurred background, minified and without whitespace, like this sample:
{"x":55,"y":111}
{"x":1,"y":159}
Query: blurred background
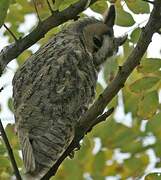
{"x":128,"y":144}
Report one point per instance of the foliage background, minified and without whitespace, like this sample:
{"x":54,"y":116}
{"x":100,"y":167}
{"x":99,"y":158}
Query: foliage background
{"x":114,"y":148}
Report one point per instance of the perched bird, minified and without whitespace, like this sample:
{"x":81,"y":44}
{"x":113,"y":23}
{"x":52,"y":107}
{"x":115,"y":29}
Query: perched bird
{"x":55,"y":86}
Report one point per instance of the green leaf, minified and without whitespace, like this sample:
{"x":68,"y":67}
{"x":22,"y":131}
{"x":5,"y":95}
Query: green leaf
{"x":157,"y":147}
{"x":113,"y":102}
{"x":149,"y":65}
{"x":148,"y":105}
{"x":144,"y":84}
{"x":12,"y":1}
{"x":124,"y":18}
{"x":5,"y":175}
{"x":101,"y":131}
{"x":135,"y":35}
{"x":23,"y":57}
{"x":153,"y":176}
{"x":74,"y":169}
{"x":134,"y":147}
{"x":10,"y":104}
{"x":130,"y":101}
{"x":4,"y":5}
{"x":124,"y":135}
{"x":49,"y":35}
{"x":98,"y":165}
{"x":62,"y":4}
{"x":154,"y":125}
{"x":112,"y":168}
{"x":138,"y":6}
{"x":127,"y":47}
{"x":99,"y":7}
{"x":135,"y":166}
{"x":16,"y":16}
{"x":17,"y":158}
{"x":99,"y":90}
{"x":85,"y":154}
{"x":10,"y":131}
{"x":2,"y":149}
{"x":110,"y":68}
{"x":4,"y":162}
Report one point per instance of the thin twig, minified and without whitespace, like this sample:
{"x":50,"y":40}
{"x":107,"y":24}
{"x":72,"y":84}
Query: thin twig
{"x":50,"y":8}
{"x":10,"y":152}
{"x":101,"y":118}
{"x":12,"y":34}
{"x":148,"y":1}
{"x":98,"y":120}
{"x":1,"y":89}
{"x":137,"y":26}
{"x":35,"y":6}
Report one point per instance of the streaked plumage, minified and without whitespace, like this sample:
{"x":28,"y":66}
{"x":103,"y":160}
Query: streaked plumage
{"x":55,"y":86}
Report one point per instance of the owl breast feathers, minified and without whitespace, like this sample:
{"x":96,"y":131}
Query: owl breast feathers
{"x":55,"y":86}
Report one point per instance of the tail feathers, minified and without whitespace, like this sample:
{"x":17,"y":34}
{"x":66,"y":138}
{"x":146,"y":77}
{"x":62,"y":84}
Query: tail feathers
{"x":28,"y":176}
{"x":40,"y":152}
{"x":28,"y":156}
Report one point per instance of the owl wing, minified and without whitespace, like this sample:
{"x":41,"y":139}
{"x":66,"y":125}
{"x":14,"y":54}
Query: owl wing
{"x":49,"y":98}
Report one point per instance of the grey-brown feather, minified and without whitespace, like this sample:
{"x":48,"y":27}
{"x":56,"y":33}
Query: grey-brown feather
{"x":51,"y":91}
{"x":53,"y":88}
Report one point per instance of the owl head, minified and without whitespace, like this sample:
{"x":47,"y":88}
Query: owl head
{"x":99,"y":37}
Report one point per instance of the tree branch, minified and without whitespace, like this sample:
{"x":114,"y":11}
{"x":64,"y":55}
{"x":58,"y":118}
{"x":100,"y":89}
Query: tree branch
{"x":12,"y":34}
{"x":10,"y":152}
{"x":50,"y":8}
{"x":89,"y":118}
{"x":14,"y":50}
{"x":36,"y":10}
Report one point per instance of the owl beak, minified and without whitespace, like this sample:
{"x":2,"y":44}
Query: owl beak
{"x":121,"y":40}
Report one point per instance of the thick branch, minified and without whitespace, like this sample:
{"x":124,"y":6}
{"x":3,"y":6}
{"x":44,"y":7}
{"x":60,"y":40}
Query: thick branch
{"x":36,"y":10}
{"x":12,"y":51}
{"x":10,"y":152}
{"x":89,"y":118}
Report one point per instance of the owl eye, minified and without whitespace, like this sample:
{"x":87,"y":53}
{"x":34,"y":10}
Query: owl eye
{"x":97,"y":41}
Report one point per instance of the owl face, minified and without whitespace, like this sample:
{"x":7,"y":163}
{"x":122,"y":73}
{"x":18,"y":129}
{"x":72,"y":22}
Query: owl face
{"x":100,"y":40}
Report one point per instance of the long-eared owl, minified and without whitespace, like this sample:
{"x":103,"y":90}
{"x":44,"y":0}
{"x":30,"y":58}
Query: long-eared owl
{"x":55,"y":86}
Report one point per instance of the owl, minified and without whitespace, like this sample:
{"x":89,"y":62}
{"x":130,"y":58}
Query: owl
{"x":55,"y":86}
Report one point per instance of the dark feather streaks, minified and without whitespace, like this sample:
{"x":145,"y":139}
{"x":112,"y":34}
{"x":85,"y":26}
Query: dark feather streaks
{"x":51,"y":91}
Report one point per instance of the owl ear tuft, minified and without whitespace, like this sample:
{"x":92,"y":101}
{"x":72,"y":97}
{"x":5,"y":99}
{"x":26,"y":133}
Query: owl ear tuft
{"x":109,"y":18}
